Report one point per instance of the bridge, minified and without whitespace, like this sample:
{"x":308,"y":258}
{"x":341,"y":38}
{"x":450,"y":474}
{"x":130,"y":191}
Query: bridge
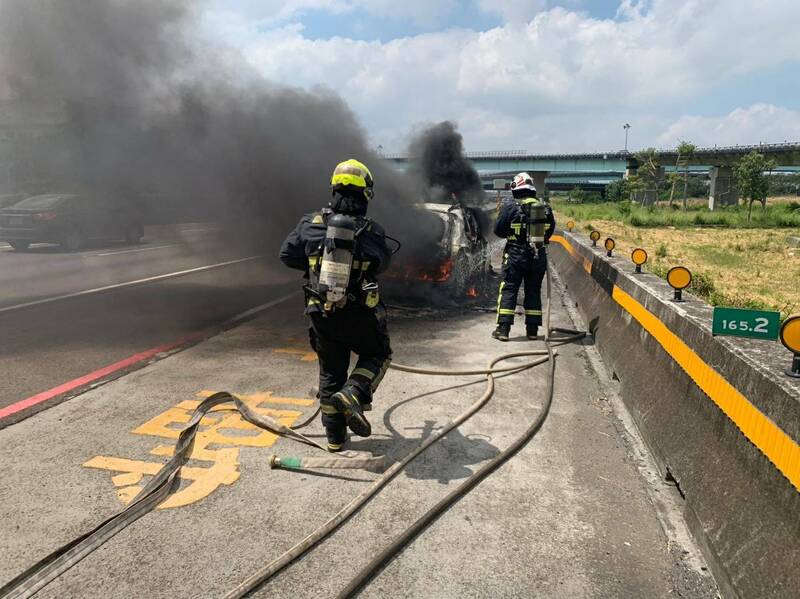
{"x":595,"y":170}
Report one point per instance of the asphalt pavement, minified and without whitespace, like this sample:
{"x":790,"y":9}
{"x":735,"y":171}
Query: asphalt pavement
{"x":578,"y":513}
{"x":64,"y":315}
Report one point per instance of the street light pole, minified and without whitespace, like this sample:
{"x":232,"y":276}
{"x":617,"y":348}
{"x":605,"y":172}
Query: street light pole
{"x":626,"y":126}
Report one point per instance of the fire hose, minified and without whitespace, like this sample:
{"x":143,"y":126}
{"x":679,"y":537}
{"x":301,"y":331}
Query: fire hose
{"x":166,"y":480}
{"x":364,"y":576}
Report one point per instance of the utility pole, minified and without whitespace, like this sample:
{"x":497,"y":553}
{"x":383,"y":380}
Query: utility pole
{"x":626,"y":126}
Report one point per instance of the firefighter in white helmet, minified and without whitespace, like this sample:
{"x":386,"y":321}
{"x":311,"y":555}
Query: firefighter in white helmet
{"x":342,"y":252}
{"x":526,"y":223}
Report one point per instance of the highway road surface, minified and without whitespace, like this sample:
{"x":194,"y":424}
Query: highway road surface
{"x":64,"y":316}
{"x":579,"y":512}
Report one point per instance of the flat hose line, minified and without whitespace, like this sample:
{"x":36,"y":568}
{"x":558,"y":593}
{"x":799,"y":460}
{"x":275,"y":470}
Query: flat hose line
{"x":163,"y":483}
{"x":309,"y":542}
{"x":376,"y":565}
{"x":167,"y":480}
{"x":413,"y":370}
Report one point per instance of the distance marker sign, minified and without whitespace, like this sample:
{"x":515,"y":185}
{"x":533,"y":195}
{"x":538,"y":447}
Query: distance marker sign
{"x":755,"y":324}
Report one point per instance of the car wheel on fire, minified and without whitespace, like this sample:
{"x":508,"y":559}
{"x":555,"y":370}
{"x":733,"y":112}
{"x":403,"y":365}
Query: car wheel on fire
{"x":460,"y":276}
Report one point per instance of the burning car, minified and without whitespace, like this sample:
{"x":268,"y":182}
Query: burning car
{"x":451,"y":252}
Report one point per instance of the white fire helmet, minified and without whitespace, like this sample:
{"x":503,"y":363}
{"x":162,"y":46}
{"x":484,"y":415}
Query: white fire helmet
{"x":523,"y":181}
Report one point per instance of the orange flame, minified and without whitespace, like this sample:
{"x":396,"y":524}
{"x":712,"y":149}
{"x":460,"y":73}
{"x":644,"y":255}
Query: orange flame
{"x":472,"y":292}
{"x":431,"y":274}
{"x":443,"y":273}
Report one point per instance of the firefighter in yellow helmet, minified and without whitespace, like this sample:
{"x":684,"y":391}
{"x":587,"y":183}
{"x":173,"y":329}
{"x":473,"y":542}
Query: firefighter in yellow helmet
{"x":342,"y":252}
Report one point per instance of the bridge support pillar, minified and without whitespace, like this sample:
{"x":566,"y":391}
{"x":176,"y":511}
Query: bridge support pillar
{"x":722,"y":191}
{"x":539,"y":178}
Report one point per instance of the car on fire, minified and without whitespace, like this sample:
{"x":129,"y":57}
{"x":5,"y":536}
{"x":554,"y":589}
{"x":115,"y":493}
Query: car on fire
{"x":454,"y":255}
{"x":69,"y":220}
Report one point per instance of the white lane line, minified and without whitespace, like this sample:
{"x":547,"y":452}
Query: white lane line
{"x":170,"y":275}
{"x":258,"y":309}
{"x":144,"y":249}
{"x":197,"y":230}
{"x":8,"y":248}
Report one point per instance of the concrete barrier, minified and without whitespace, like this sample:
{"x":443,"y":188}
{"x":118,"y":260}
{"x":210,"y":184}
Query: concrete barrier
{"x":718,"y":413}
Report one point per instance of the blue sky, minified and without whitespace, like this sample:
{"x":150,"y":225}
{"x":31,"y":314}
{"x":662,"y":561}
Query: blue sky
{"x":536,"y":74}
{"x":321,"y":23}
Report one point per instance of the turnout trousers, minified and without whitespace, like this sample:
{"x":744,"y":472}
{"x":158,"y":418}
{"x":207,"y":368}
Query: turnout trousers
{"x":355,"y":329}
{"x":521,"y":265}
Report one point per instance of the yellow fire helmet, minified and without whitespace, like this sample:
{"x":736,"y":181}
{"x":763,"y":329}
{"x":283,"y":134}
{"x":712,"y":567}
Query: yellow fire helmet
{"x":354,"y":175}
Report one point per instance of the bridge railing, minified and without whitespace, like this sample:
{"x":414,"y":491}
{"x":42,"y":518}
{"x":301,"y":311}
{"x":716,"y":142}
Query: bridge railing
{"x":523,"y":154}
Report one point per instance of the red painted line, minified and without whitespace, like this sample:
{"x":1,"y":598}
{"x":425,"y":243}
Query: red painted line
{"x":133,"y":360}
{"x":96,"y":375}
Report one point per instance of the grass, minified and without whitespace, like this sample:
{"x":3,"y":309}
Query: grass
{"x":778,"y":214}
{"x":738,"y":266}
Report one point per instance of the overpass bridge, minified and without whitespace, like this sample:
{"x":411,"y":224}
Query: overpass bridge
{"x":595,"y":170}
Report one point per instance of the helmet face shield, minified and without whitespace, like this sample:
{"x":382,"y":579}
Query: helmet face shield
{"x":354,"y":175}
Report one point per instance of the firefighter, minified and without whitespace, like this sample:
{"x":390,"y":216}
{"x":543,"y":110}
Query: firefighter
{"x":342,"y":252}
{"x":527,"y":224}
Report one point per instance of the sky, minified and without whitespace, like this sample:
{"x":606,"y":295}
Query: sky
{"x":536,"y":75}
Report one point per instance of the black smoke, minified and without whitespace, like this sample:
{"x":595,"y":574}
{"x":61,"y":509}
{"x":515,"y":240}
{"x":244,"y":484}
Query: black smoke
{"x":185,"y":128}
{"x":437,"y":155}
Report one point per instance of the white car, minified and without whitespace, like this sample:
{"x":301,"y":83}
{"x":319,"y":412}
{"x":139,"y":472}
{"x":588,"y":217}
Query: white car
{"x":454,"y":254}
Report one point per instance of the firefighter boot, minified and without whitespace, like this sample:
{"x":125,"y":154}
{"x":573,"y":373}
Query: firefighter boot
{"x":347,"y":401}
{"x":337,"y":437}
{"x":532,"y":332}
{"x":501,"y":332}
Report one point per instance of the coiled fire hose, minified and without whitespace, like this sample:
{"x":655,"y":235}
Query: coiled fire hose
{"x":166,"y":481}
{"x":362,"y":578}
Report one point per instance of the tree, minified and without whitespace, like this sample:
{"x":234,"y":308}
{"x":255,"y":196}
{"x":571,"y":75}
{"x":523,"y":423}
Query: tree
{"x":685,"y":152}
{"x":577,"y":195}
{"x":673,"y":179}
{"x":618,"y":191}
{"x":753,"y":184}
{"x":645,"y":183}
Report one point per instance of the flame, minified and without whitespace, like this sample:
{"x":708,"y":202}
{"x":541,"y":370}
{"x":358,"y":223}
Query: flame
{"x":472,"y":292}
{"x":438,"y":273}
{"x":443,"y":273}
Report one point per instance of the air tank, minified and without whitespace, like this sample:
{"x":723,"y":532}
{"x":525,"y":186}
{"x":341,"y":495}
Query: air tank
{"x":337,"y":258}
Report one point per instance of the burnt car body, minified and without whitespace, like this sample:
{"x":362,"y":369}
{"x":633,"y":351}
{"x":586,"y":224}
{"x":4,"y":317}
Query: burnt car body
{"x":69,"y":220}
{"x":450,"y":254}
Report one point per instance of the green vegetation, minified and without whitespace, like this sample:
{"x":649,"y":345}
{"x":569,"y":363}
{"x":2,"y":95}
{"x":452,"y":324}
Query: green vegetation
{"x":618,"y":191}
{"x":784,"y":184}
{"x":751,"y":179}
{"x":778,"y":215}
{"x":703,"y":286}
{"x":685,"y":153}
{"x":719,"y":256}
{"x":646,"y":183}
{"x":738,"y":258}
{"x":734,"y":262}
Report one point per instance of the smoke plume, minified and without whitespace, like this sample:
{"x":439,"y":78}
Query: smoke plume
{"x":146,"y":108}
{"x":438,"y":158}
